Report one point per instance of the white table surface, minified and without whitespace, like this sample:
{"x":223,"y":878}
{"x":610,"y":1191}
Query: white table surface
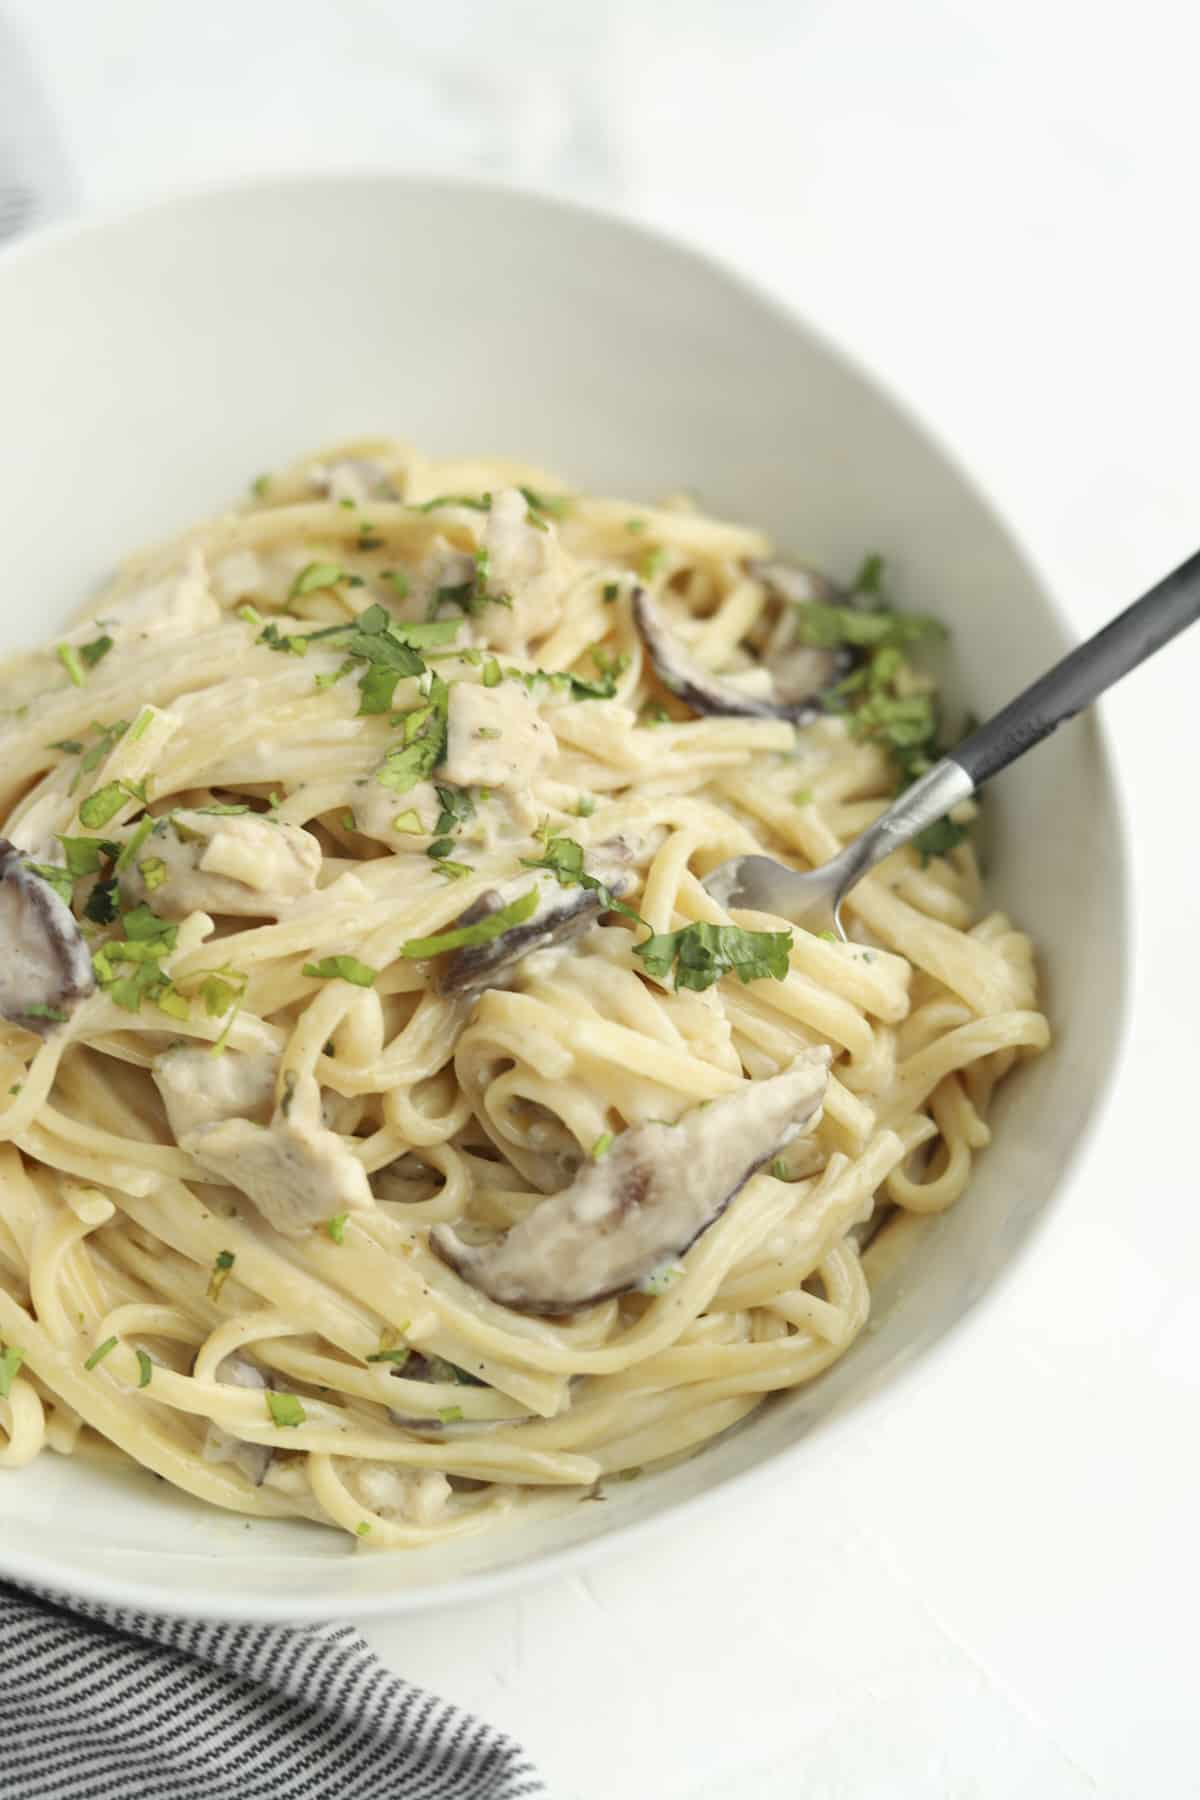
{"x":993,"y":205}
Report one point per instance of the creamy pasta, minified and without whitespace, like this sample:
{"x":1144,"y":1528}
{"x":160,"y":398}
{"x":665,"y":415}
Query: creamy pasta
{"x":394,"y":1132}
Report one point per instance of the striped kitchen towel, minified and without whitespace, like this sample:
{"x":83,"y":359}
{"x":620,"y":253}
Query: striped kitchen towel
{"x":103,"y":1704}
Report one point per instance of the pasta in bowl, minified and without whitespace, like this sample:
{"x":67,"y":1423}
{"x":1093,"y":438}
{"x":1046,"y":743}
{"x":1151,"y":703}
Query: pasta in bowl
{"x":396,"y":1134}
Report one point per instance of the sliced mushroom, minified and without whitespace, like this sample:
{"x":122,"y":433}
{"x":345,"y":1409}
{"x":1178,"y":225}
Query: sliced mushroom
{"x":647,"y":1201}
{"x":797,"y":676}
{"x":798,"y":583}
{"x":561,"y":913}
{"x":241,"y":864}
{"x":45,"y":969}
{"x":222,"y":1446}
{"x":295,"y":1170}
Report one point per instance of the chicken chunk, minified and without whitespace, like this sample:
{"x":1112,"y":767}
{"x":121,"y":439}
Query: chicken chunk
{"x":199,"y":1088}
{"x":178,"y":606}
{"x":496,"y":737}
{"x":528,"y":566}
{"x":295,"y":1170}
{"x":241,"y":863}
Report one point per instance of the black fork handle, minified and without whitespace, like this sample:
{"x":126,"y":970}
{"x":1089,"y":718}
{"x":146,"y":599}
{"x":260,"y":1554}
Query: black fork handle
{"x":1169,"y":608}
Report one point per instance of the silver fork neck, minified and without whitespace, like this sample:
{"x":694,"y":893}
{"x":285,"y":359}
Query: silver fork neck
{"x":919,"y":806}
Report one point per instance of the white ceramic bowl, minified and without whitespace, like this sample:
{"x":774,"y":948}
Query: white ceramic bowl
{"x":151,"y":365}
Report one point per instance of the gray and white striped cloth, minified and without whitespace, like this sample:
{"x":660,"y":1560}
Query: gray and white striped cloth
{"x":103,"y":1704}
{"x":98,"y":1703}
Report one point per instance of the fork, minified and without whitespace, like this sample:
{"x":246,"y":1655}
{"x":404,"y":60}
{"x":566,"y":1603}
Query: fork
{"x":814,"y":898}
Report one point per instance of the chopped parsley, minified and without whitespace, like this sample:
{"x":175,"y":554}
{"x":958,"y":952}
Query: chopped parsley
{"x":96,"y":651}
{"x":653,"y":563}
{"x":102,"y":903}
{"x":100,"y":1352}
{"x":610,"y":592}
{"x":826,"y":627}
{"x":556,"y":505}
{"x":260,"y":486}
{"x":390,"y":650}
{"x":224,"y":1261}
{"x":60,"y":880}
{"x":86,"y":855}
{"x":493,"y":675}
{"x":343,"y":968}
{"x":335,"y":1228}
{"x":313,"y":577}
{"x":145,"y":1369}
{"x":10,"y":1363}
{"x":458,"y":809}
{"x":564,"y":860}
{"x":249,"y":614}
{"x":398,"y":579}
{"x":450,"y":1415}
{"x":397,"y":1356}
{"x":701,"y":953}
{"x":68,"y":656}
{"x":465,"y":937}
{"x":284,"y":1409}
{"x":585,"y":806}
{"x":424,"y":743}
{"x":38,"y":1009}
{"x":939,"y":838}
{"x":101,"y":806}
{"x":602,"y":1146}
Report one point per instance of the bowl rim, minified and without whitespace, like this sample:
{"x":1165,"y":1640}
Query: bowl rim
{"x":42,"y":1572}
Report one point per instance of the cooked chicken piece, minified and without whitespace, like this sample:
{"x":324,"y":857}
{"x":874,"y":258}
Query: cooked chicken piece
{"x":199,"y":1088}
{"x":496,"y":736}
{"x":177,"y":606}
{"x":527,"y":566}
{"x":295,"y":1171}
{"x":241,"y":863}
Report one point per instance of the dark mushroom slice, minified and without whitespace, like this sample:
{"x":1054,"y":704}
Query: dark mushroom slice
{"x":222,"y":1446}
{"x":561,"y":914}
{"x":799,"y":675}
{"x":647,"y":1201}
{"x":45,"y":970}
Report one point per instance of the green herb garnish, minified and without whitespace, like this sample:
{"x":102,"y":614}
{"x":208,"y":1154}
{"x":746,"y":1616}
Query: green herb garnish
{"x":68,"y":656}
{"x":284,"y":1409}
{"x":96,"y":651}
{"x":342,"y":968}
{"x":336,"y":1227}
{"x":10,"y":1363}
{"x":465,"y":937}
{"x":224,"y":1261}
{"x":313,"y":577}
{"x":145,"y":1369}
{"x":100,"y":1352}
{"x":939,"y":838}
{"x":701,"y":953}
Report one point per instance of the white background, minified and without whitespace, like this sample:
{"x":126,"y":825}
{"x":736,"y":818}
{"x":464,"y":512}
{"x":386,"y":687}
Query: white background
{"x":995,"y":205}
